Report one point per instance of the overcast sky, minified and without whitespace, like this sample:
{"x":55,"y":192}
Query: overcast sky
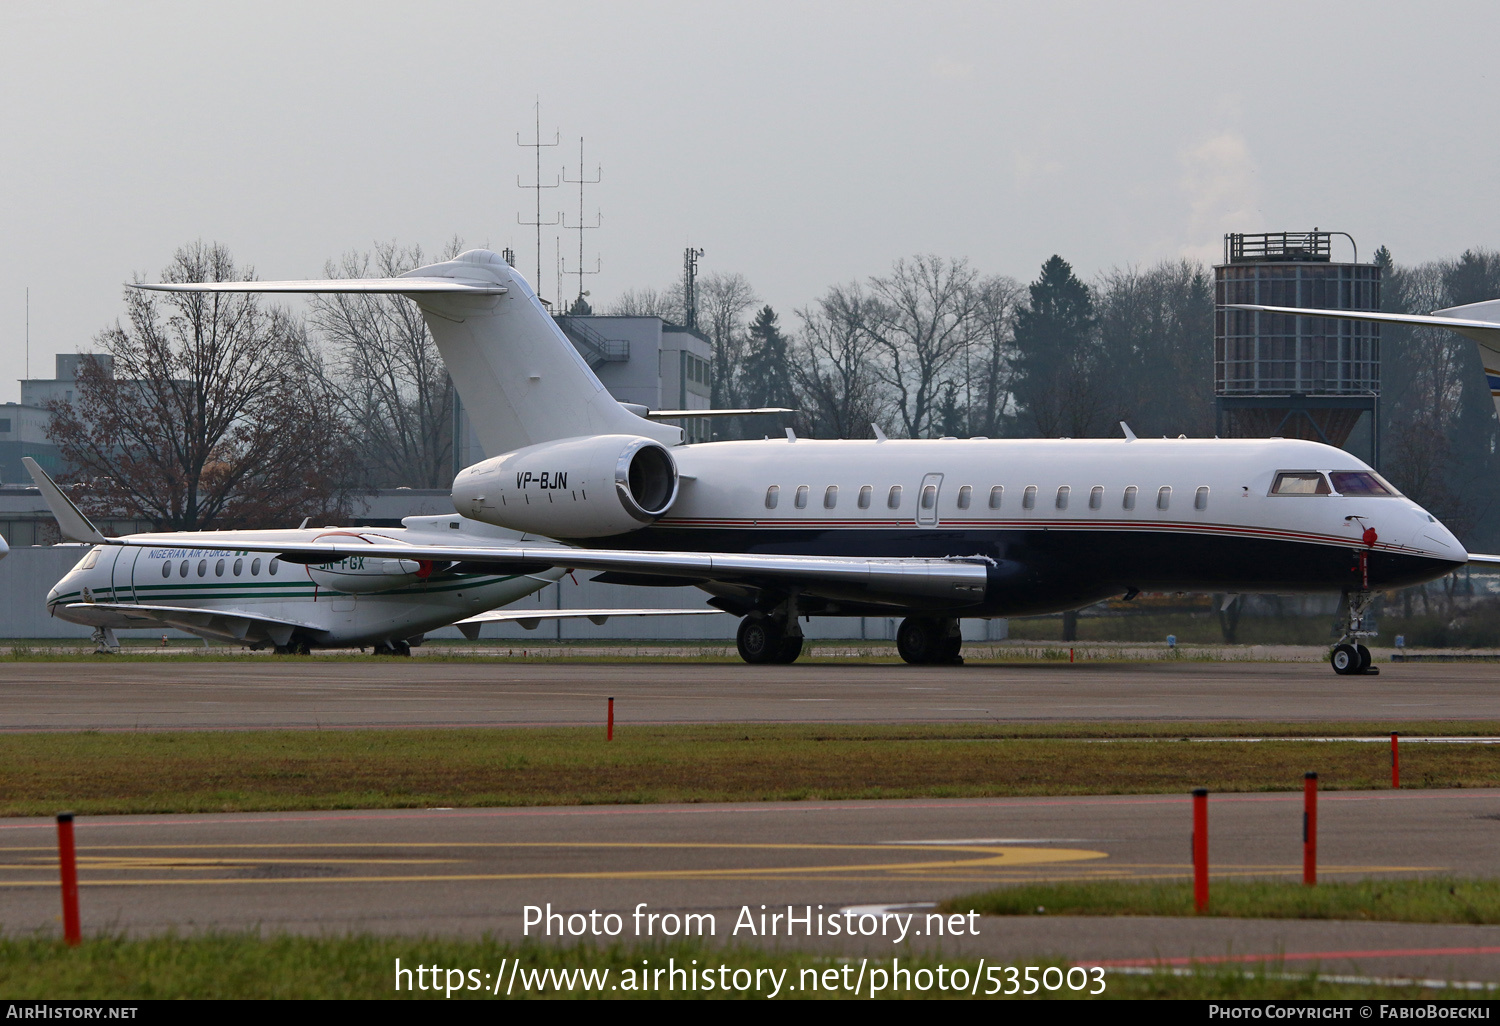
{"x":802,"y":144}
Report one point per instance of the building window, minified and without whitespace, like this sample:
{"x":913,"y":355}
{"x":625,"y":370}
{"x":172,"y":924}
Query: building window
{"x":1028,"y":497}
{"x":866,"y":493}
{"x":830,"y":496}
{"x":893,"y":498}
{"x":965,"y":496}
{"x":773,"y":496}
{"x":1164,"y":497}
{"x":800,"y":500}
{"x":1062,"y":496}
{"x":1200,"y":498}
{"x":997,"y":496}
{"x":4,"y":424}
{"x":1096,"y":497}
{"x":1129,"y":501}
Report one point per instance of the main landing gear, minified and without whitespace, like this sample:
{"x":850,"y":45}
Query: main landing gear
{"x":762,"y":639}
{"x":926,"y":640}
{"x":392,"y":648}
{"x":1349,"y":656}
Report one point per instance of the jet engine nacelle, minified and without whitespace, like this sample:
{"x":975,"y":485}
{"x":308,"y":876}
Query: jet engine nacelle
{"x":362,"y":575}
{"x":572,"y":488}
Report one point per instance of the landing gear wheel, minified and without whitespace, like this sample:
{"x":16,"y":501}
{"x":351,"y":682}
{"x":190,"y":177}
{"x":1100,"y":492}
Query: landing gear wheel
{"x":759,"y":640}
{"x":401,"y":648}
{"x":1345,"y":659}
{"x":950,"y":649}
{"x":921,"y":640}
{"x":789,"y":650}
{"x":1364,"y":659}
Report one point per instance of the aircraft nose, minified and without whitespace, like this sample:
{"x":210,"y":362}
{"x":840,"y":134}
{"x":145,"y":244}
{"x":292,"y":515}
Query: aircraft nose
{"x":4,"y":548}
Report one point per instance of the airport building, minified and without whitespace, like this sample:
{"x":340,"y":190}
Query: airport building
{"x":1296,"y":377}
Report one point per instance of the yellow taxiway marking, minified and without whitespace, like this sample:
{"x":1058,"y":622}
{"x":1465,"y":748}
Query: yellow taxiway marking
{"x":988,"y":857}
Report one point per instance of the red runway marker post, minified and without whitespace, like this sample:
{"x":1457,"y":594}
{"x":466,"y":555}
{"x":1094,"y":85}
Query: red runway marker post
{"x":67,"y":864}
{"x":609,"y":725}
{"x":1395,"y":762}
{"x":1309,"y":828}
{"x":1200,"y":849}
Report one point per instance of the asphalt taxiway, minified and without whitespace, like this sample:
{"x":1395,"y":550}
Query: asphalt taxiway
{"x":468,"y":872}
{"x":120,"y":694}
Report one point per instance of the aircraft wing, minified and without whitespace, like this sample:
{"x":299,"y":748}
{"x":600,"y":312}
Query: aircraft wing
{"x":225,"y":624}
{"x":1483,"y":559}
{"x":389,"y":286}
{"x":531,"y":619}
{"x":1478,"y":321}
{"x":951,"y":580}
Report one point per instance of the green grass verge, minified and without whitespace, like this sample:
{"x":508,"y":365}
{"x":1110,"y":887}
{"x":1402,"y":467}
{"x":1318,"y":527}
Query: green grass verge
{"x":1430,"y":900}
{"x":363,"y":967}
{"x":233,"y":771}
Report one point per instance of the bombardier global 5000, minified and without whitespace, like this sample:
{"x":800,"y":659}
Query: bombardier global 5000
{"x":930,"y":530}
{"x":237,"y":595}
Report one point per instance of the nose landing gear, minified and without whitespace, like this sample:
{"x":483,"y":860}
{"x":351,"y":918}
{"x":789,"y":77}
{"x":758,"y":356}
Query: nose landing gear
{"x":1349,"y":656}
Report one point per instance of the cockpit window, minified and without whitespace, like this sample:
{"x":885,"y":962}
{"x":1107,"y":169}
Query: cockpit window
{"x":88,"y":561}
{"x":1360,"y":482}
{"x":1300,"y":482}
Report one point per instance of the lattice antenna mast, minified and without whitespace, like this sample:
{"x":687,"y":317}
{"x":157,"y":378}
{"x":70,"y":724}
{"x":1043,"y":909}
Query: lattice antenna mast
{"x":581,"y":181}
{"x":538,"y":185}
{"x":690,"y":286}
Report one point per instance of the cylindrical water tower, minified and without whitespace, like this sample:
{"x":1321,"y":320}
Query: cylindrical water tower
{"x":1280,"y":375}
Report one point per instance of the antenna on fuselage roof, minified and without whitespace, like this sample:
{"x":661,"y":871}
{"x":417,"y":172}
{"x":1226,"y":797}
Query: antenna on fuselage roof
{"x":879,"y":434}
{"x":1129,"y":434}
{"x":304,"y":523}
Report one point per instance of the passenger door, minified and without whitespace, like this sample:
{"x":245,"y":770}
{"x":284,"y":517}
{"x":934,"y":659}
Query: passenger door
{"x":927,"y":500}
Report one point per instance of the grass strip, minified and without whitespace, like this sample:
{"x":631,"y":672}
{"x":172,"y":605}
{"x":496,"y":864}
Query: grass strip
{"x":1428,"y":900}
{"x":242,"y":966}
{"x":238,"y":771}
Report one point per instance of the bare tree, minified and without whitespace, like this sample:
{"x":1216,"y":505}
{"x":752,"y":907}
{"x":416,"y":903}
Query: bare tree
{"x":989,"y":362}
{"x":723,"y":299}
{"x":839,"y":388}
{"x":394,"y":388}
{"x":926,"y":325}
{"x":218,"y":413}
{"x":666,"y":303}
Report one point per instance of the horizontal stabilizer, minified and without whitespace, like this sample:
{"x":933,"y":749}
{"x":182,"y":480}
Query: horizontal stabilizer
{"x":381,"y":286}
{"x":70,"y":520}
{"x":760,"y":411}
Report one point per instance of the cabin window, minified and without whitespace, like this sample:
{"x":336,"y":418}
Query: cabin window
{"x":1361,"y":483}
{"x":773,"y":496}
{"x":997,"y":496}
{"x":1028,"y":497}
{"x":1096,"y":497}
{"x":830,"y":496}
{"x":273,"y":566}
{"x":929,"y":497}
{"x":1062,"y":496}
{"x":182,"y":568}
{"x":166,"y":569}
{"x":88,"y":561}
{"x":866,"y":493}
{"x":893,"y":497}
{"x":800,"y":499}
{"x":202,"y":567}
{"x":1164,"y":497}
{"x":1129,"y":501}
{"x":239,"y":565}
{"x":255,"y":567}
{"x":965,"y":496}
{"x":1200,"y":498}
{"x":219,"y":568}
{"x":1300,"y":482}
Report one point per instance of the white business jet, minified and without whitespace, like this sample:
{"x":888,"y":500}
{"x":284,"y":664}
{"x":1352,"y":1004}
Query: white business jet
{"x":930,"y":530}
{"x":232,"y":593}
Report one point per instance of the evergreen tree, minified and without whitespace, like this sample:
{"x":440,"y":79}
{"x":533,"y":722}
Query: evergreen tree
{"x":1056,"y":353}
{"x":766,"y":375}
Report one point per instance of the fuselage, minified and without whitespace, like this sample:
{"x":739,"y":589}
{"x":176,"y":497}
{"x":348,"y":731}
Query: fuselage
{"x":227,"y":581}
{"x":1066,"y":521}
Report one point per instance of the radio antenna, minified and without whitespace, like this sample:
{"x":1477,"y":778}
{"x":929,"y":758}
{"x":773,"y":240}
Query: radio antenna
{"x":538,"y":185}
{"x":580,"y":227}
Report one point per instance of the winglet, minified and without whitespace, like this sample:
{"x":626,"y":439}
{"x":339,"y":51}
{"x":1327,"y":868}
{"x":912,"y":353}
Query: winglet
{"x":70,"y":521}
{"x":1129,"y":434}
